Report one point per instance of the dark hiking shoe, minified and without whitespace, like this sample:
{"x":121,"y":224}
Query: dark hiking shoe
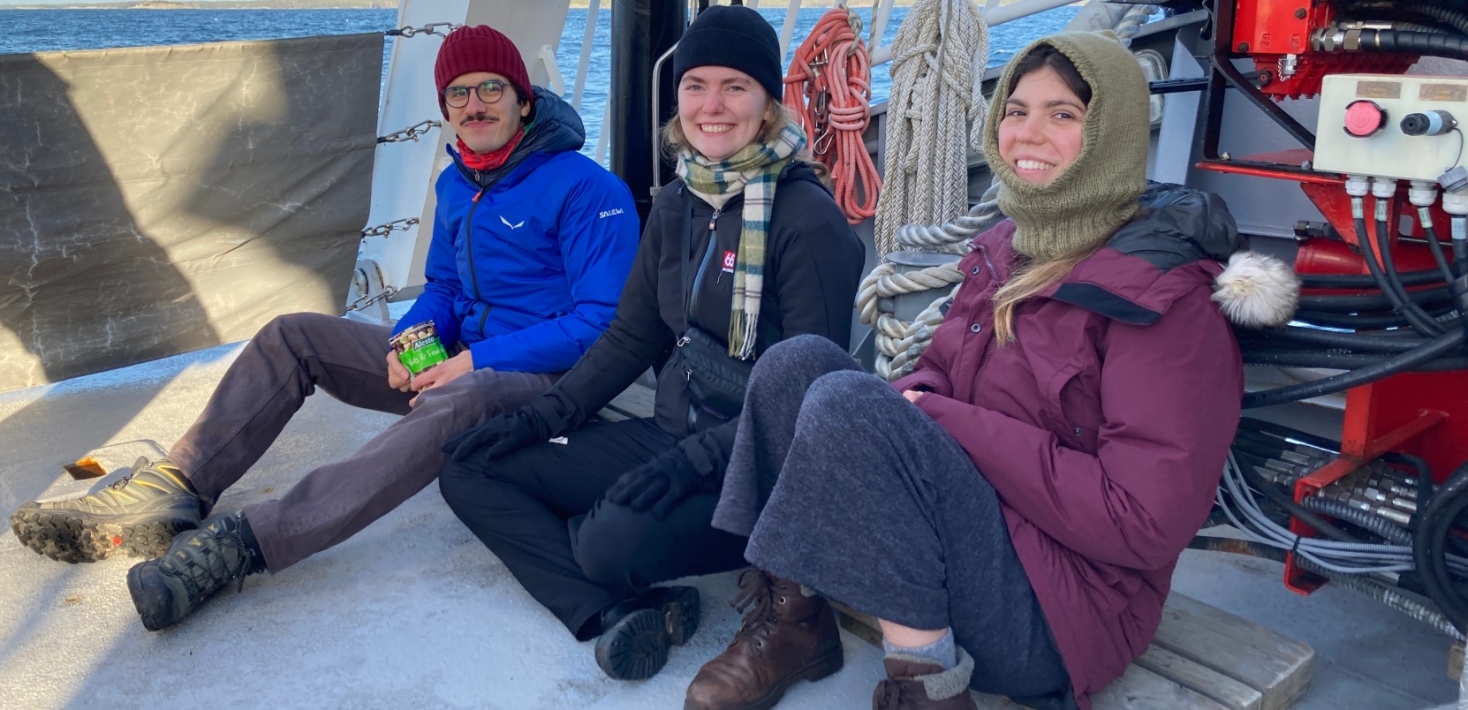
{"x":637,"y":633}
{"x":920,"y":684}
{"x":786,"y":637}
{"x":198,"y":564}
{"x":138,"y":515}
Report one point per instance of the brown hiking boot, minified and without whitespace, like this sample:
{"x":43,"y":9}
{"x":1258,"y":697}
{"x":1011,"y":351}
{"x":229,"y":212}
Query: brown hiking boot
{"x":786,"y":637}
{"x":920,"y":684}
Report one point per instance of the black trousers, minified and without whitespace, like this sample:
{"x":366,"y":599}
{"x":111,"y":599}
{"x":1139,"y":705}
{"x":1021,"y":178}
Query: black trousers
{"x":540,"y":510}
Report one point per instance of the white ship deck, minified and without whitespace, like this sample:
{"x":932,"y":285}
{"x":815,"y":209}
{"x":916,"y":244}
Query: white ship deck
{"x":415,"y":612}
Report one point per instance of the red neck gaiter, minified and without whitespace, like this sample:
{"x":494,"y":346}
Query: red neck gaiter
{"x":489,"y":161}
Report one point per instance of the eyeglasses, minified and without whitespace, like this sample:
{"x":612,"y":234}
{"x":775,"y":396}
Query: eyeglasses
{"x":488,"y":92}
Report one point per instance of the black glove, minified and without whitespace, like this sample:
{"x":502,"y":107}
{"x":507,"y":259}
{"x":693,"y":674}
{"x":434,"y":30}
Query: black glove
{"x":504,"y":434}
{"x":660,"y":484}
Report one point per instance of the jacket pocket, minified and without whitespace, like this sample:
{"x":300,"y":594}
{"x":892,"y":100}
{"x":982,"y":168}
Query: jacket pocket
{"x":1073,"y":405}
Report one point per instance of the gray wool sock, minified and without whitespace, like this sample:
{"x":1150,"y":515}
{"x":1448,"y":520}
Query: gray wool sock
{"x":942,"y":652}
{"x":944,"y":684}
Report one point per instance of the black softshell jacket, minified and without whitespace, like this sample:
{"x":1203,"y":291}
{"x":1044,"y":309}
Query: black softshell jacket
{"x":812,"y":268}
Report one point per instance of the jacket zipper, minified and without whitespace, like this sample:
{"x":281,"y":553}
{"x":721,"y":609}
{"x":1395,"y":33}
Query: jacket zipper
{"x":992,"y":341}
{"x":473,"y":176}
{"x":469,"y":250}
{"x":698,"y":281}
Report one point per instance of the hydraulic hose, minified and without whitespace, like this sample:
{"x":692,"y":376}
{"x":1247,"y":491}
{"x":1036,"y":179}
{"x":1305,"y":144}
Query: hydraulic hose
{"x":1418,"y":27}
{"x":1424,"y":43}
{"x":1421,"y":472}
{"x":1283,"y":432}
{"x":1282,"y":445}
{"x":1333,"y":339}
{"x":1283,"y":500}
{"x":1435,"y":246}
{"x":1457,"y":19}
{"x":1416,"y":317}
{"x":1414,"y":313}
{"x":1355,"y":303}
{"x":1360,"y":518}
{"x":1356,"y":281}
{"x":1429,"y":556}
{"x":1428,"y":352}
{"x":1342,"y":361}
{"x":1365,"y":321}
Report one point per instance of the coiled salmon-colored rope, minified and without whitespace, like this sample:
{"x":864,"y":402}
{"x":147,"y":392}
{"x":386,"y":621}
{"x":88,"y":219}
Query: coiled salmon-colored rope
{"x":829,"y":89}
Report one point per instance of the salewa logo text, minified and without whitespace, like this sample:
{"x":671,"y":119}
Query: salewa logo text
{"x":608,"y":213}
{"x":516,"y":225}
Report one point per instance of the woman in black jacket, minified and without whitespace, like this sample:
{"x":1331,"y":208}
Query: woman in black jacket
{"x":746,"y":249}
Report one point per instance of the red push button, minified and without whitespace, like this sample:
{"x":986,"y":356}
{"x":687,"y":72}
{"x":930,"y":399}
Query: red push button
{"x":1364,"y":118}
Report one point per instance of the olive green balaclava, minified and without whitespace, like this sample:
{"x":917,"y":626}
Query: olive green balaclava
{"x":1098,"y":192}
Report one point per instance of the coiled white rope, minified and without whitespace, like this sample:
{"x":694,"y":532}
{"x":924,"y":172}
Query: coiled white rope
{"x":935,"y":113}
{"x":900,"y":343}
{"x":938,"y":61}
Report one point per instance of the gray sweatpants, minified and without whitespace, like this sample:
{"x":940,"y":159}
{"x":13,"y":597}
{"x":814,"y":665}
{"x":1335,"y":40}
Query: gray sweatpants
{"x":282,"y":365}
{"x":844,"y":486}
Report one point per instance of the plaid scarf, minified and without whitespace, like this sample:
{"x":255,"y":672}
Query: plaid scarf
{"x":754,"y":170}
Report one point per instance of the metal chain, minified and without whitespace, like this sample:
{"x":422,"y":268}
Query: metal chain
{"x":411,"y":133}
{"x":365,"y":301}
{"x":397,"y":225}
{"x":428,"y":29}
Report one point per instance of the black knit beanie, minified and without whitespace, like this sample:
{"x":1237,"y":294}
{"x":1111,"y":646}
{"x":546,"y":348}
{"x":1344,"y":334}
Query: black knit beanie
{"x":732,"y":36}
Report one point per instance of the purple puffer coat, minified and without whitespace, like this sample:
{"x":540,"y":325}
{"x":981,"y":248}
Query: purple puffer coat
{"x":1105,"y":427}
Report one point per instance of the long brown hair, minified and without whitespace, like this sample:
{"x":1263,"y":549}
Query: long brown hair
{"x":1027,"y":281}
{"x":1031,"y":279}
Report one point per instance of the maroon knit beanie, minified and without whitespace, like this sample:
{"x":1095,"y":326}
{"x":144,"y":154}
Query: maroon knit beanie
{"x":475,"y":48}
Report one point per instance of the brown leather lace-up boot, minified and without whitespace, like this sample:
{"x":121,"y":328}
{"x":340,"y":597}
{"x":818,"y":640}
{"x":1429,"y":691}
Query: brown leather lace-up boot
{"x":920,"y":684}
{"x":786,"y":637}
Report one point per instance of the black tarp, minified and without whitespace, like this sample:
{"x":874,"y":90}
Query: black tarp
{"x":158,"y":200}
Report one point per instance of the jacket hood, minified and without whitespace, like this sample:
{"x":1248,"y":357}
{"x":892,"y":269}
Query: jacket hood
{"x":1180,"y":237}
{"x":557,"y":126}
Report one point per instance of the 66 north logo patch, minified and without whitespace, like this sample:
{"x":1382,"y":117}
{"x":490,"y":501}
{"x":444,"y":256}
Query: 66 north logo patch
{"x":729,"y":259}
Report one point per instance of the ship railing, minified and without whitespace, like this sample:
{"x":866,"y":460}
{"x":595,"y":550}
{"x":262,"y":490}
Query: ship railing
{"x":995,"y":13}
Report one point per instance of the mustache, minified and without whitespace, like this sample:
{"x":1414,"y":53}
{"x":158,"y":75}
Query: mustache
{"x":481,"y":116}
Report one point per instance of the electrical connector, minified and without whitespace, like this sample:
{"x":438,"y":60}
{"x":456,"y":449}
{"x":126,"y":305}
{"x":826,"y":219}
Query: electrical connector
{"x":1422,"y":193}
{"x":1358,"y":185}
{"x":1455,"y":180}
{"x":1455,"y":203}
{"x":1383,"y":188}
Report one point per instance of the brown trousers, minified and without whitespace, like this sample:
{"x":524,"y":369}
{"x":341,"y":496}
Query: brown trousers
{"x":283,"y":364}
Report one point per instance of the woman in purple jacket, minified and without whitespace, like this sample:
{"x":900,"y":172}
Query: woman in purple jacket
{"x":1012,"y":510}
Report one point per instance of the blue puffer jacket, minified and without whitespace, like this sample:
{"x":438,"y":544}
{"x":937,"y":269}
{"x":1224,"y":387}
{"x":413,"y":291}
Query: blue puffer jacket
{"x":527,"y":262}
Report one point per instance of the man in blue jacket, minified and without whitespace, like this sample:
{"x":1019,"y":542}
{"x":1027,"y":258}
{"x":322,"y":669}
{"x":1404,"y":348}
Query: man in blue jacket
{"x":532,"y":242}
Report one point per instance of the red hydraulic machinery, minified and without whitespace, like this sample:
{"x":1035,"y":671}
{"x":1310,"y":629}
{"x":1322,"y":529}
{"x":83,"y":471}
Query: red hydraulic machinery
{"x":1358,"y":50}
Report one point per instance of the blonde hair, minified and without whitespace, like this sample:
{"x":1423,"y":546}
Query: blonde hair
{"x":1029,"y":280}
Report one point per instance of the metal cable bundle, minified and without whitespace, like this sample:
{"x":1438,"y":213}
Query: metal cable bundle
{"x":1393,"y":535}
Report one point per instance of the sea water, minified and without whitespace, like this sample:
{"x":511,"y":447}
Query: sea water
{"x":60,"y":30}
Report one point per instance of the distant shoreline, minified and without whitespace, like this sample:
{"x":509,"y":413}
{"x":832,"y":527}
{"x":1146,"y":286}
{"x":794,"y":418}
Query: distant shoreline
{"x":330,"y":5}
{"x":323,"y":5}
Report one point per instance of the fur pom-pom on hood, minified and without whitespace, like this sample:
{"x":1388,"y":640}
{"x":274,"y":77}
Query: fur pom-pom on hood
{"x":1257,"y":290}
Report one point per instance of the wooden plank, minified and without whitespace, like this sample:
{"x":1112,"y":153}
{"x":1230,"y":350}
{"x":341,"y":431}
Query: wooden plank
{"x":1141,"y":689}
{"x":1163,"y":678}
{"x":1278,"y":667}
{"x":1200,"y":679}
{"x":860,"y":625}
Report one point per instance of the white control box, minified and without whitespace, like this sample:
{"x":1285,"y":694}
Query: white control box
{"x":1361,"y":129}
